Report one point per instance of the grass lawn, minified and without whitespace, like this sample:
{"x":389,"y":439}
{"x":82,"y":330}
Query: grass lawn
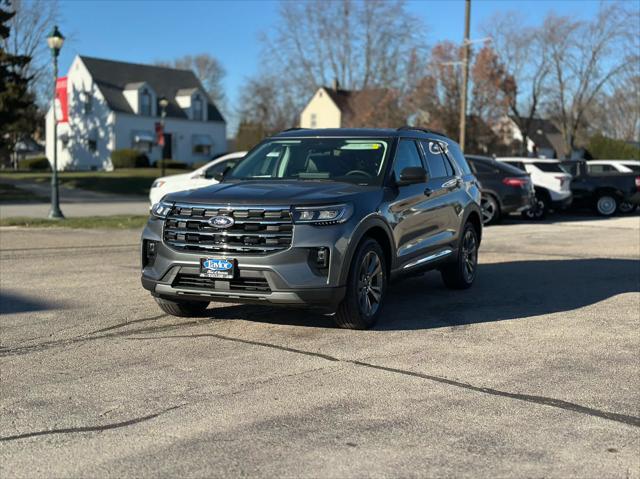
{"x":118,"y":222}
{"x":133,"y":181}
{"x":9,"y":193}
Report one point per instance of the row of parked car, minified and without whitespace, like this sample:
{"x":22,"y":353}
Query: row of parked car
{"x":535,"y":186}
{"x":530,"y":186}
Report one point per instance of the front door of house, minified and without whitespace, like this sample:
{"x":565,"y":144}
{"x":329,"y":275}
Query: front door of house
{"x":166,"y":149}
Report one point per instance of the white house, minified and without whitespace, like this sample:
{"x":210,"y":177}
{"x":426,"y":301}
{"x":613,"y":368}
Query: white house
{"x":115,"y":105}
{"x":543,"y":138}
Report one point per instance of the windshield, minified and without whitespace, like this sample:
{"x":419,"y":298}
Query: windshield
{"x":352,"y":160}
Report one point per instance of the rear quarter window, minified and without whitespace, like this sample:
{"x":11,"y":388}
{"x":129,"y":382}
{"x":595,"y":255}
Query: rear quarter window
{"x":549,"y":167}
{"x":456,"y":155}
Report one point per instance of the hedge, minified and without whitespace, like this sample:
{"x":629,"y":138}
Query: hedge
{"x":602,"y":147}
{"x":39,"y":163}
{"x":174,"y":164}
{"x":129,"y":158}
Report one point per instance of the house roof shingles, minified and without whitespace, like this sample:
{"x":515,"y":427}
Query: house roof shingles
{"x":355,"y":102}
{"x":113,"y":77}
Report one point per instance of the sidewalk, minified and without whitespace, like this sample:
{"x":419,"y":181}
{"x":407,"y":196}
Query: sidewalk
{"x":73,"y":202}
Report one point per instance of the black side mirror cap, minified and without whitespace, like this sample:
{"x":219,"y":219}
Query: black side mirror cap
{"x":412,"y":175}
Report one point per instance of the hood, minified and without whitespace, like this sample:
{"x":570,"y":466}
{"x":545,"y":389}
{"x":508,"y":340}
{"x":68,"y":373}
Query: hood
{"x":272,"y":193}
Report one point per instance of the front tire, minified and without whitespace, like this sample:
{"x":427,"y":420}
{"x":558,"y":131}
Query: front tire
{"x":607,"y":204}
{"x":183,"y":309}
{"x":490,"y":210}
{"x":627,"y":208}
{"x":366,"y":288}
{"x":461,"y":273}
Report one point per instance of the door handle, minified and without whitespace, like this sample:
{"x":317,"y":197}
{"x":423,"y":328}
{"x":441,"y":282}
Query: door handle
{"x":451,"y":183}
{"x":428,"y":191}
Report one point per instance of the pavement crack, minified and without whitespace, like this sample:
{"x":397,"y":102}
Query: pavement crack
{"x":122,"y":325}
{"x":546,"y":401}
{"x":542,"y":400}
{"x":97,"y":428}
{"x":244,"y":341}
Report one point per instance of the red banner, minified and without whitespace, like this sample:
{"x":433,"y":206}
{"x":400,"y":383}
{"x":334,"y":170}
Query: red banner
{"x":159,"y":134}
{"x":62,"y":103}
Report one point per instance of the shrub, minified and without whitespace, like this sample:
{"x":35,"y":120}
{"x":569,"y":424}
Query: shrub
{"x":129,"y":158}
{"x":602,"y":147}
{"x":198,"y":164}
{"x":176,"y":165}
{"x":37,"y":163}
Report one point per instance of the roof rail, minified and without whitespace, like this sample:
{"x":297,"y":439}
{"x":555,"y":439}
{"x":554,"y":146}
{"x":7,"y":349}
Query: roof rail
{"x":294,"y":129}
{"x":424,"y":130}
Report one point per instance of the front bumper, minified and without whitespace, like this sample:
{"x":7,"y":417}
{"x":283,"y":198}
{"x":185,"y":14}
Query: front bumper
{"x":288,"y":277}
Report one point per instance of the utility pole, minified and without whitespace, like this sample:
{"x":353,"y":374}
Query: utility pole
{"x":465,"y":80}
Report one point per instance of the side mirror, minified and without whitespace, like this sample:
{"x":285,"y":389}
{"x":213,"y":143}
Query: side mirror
{"x":412,"y":175}
{"x":219,"y":175}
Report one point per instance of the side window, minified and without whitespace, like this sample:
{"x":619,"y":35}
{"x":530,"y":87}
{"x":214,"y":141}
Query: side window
{"x":447,"y":164}
{"x":435,"y":160}
{"x":406,"y":156}
{"x":219,"y":168}
{"x":482,"y":167}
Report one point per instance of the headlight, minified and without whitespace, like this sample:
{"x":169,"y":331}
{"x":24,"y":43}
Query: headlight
{"x":322,"y":215}
{"x":158,"y":184}
{"x":161,"y":210}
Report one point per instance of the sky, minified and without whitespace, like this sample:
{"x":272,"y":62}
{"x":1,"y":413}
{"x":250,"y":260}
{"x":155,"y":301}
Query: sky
{"x":144,"y":31}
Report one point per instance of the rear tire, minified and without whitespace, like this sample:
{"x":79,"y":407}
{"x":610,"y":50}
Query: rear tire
{"x":183,"y":309}
{"x":366,"y":288}
{"x":607,"y":204}
{"x":461,"y":273}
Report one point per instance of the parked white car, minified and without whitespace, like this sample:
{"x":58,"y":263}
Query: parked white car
{"x":551,"y":183}
{"x":613,"y":166}
{"x":203,"y":176}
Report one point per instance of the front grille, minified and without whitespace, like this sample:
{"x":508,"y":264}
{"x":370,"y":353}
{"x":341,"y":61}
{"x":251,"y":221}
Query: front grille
{"x":237,"y":284}
{"x":256,"y":231}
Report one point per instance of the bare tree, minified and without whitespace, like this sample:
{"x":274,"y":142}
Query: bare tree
{"x":209,"y":71}
{"x":362,"y":45}
{"x":266,"y":104}
{"x":617,"y":114}
{"x":586,"y":58}
{"x":29,"y":28}
{"x":524,"y":54}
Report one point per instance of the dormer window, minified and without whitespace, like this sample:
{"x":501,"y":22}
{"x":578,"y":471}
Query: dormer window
{"x":145,"y":103}
{"x":197,"y":108}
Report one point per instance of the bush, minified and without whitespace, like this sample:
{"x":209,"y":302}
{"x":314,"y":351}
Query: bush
{"x":174,"y":164}
{"x":39,"y":163}
{"x":129,"y":158}
{"x":198,"y":164}
{"x":602,"y":147}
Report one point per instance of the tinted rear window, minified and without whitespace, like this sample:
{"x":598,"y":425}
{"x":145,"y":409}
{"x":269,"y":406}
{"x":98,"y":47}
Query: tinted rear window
{"x":633,"y":167}
{"x":549,"y":167}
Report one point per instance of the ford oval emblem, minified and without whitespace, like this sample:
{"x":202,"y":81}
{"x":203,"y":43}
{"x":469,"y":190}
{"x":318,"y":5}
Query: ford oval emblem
{"x":222,"y":222}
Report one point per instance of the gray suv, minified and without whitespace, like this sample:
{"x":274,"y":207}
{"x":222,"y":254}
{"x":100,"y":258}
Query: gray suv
{"x":318,"y":218}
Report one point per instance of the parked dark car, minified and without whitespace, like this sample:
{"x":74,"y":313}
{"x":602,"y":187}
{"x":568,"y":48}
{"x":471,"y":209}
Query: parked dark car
{"x":505,"y":188}
{"x":322,"y":218}
{"x":607,"y":193}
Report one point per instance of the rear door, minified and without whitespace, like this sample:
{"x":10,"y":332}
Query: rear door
{"x":446,"y":196}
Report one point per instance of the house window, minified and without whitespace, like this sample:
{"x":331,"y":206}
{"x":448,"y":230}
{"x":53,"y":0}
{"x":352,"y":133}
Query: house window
{"x":87,"y":103}
{"x":197,"y":109}
{"x":92,"y":143}
{"x":202,"y":150}
{"x":145,"y":103}
{"x":313,"y":120}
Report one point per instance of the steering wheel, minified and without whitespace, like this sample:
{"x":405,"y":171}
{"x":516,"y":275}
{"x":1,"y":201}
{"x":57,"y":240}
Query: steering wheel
{"x":359,"y":172}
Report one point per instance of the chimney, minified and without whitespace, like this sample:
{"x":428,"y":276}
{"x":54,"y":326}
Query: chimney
{"x":336,"y":84}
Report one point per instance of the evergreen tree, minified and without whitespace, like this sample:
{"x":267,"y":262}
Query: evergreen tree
{"x":17,"y":108}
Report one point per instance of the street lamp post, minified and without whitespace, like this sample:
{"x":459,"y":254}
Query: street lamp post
{"x":55,"y":41}
{"x":163,"y":102}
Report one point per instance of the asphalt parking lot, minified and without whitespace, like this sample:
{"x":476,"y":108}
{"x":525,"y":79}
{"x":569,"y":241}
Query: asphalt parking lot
{"x":534,"y":372}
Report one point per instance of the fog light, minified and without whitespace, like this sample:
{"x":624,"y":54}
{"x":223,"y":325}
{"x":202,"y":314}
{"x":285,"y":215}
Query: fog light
{"x":151,"y":249}
{"x":322,"y":257}
{"x":149,"y":253}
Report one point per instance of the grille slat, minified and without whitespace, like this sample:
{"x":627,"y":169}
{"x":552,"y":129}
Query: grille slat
{"x":256,"y":231}
{"x":237,"y":284}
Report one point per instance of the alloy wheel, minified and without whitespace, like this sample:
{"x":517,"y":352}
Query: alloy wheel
{"x":489,"y":206}
{"x":626,"y":207}
{"x":606,"y":205}
{"x":469,"y":255}
{"x":370,"y":284}
{"x":537,"y":210}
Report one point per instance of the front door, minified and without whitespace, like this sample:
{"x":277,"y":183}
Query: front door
{"x":166,"y":149}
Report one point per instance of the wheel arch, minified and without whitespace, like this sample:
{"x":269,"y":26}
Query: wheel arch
{"x":371,"y":227}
